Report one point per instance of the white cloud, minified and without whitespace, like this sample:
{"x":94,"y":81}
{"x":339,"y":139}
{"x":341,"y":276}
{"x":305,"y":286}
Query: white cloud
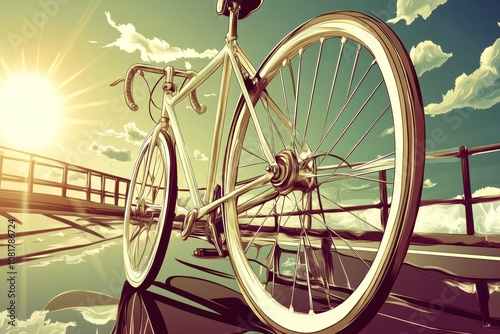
{"x":57,"y":173}
{"x":54,"y":173}
{"x":75,"y":259}
{"x":111,"y":152}
{"x":151,"y":49}
{"x":388,"y":131}
{"x":486,"y":191}
{"x":494,"y":287}
{"x":464,"y":286}
{"x":99,"y":315}
{"x":187,"y":65}
{"x":132,"y":134}
{"x":487,"y":215}
{"x":440,"y":219}
{"x":478,"y":90}
{"x":76,"y":176}
{"x":451,"y":218}
{"x":409,"y":10}
{"x":199,"y":156}
{"x":209,"y":95}
{"x":428,"y":183}
{"x":35,"y":324}
{"x":427,"y":56}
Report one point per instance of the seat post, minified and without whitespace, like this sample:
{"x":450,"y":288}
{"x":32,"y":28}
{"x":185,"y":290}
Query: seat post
{"x":233,"y":21}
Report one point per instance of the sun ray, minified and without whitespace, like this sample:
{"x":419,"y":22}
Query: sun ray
{"x":52,"y":67}
{"x":82,"y":91}
{"x":23,"y":61}
{"x":73,"y":37}
{"x":86,"y":105}
{"x":38,"y":49}
{"x":78,"y":73}
{"x":80,"y":121}
{"x":6,"y":68}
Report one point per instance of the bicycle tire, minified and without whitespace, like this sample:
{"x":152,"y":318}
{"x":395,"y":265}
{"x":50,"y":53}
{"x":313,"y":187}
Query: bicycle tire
{"x":149,"y":217}
{"x":313,"y":269}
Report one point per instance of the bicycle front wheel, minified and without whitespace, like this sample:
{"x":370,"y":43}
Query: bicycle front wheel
{"x":149,"y":211}
{"x":319,"y":247}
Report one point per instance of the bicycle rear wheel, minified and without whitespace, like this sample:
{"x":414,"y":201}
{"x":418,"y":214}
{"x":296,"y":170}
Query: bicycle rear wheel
{"x":149,"y":211}
{"x":319,"y":247}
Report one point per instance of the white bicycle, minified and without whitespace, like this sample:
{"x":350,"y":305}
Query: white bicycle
{"x":322,"y":172}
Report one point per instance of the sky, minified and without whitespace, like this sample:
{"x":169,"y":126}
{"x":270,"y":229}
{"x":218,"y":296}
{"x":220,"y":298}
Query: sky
{"x":78,"y":48}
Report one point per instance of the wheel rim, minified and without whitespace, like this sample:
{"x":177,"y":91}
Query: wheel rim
{"x":146,"y":212}
{"x":282,"y":226}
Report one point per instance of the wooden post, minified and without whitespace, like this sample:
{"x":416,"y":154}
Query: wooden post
{"x":117,"y":189}
{"x":103,"y":188}
{"x":469,"y":217}
{"x":31,"y":175}
{"x":384,"y":210}
{"x":89,"y":185}
{"x":65,"y":180}
{"x":1,"y":168}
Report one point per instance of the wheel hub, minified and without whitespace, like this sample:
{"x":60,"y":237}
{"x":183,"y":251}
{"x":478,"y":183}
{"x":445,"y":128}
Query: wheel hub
{"x":290,"y":176}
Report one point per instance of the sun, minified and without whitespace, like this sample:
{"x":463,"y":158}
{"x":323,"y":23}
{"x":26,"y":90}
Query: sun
{"x":29,"y":112}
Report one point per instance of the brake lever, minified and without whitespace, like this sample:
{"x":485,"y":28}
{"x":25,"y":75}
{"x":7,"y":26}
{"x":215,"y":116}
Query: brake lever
{"x":117,"y":81}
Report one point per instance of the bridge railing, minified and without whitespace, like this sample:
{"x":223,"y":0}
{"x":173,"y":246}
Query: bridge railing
{"x":31,"y":173}
{"x":467,"y":200}
{"x":35,"y":174}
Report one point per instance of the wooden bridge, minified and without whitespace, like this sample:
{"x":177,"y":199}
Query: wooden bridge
{"x":30,"y":182}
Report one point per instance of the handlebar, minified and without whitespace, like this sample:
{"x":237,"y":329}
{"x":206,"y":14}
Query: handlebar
{"x":132,"y":71}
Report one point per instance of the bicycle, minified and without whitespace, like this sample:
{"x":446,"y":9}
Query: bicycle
{"x":291,"y":170}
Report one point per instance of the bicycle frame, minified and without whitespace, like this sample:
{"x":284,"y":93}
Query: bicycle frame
{"x":230,"y":57}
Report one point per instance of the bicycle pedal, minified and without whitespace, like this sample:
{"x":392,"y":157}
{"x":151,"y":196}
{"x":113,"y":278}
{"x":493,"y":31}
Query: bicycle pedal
{"x":208,"y":253}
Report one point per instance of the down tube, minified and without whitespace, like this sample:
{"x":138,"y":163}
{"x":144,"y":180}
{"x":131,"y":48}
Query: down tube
{"x":183,"y":155}
{"x":169,"y":102}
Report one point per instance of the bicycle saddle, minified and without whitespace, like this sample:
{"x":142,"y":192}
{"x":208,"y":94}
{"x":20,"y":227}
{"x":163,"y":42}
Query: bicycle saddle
{"x":247,"y":7}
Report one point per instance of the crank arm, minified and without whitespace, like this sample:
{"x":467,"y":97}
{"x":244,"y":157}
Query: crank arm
{"x":195,"y":213}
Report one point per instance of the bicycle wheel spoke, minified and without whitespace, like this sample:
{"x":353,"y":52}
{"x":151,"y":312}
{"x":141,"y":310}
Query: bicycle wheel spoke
{"x":285,"y":99}
{"x":254,"y":154}
{"x":333,"y":244}
{"x":379,"y":163}
{"x":344,"y":271}
{"x":355,"y":146}
{"x":343,"y":40}
{"x":343,"y":176}
{"x":272,"y":125}
{"x":309,"y":107}
{"x":296,"y":103}
{"x":352,"y":120}
{"x":297,"y":257}
{"x":345,"y":242}
{"x":258,"y":229}
{"x":270,"y":121}
{"x":344,"y":107}
{"x":358,"y":50}
{"x":352,"y":214}
{"x":292,"y":78}
{"x":252,"y":164}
